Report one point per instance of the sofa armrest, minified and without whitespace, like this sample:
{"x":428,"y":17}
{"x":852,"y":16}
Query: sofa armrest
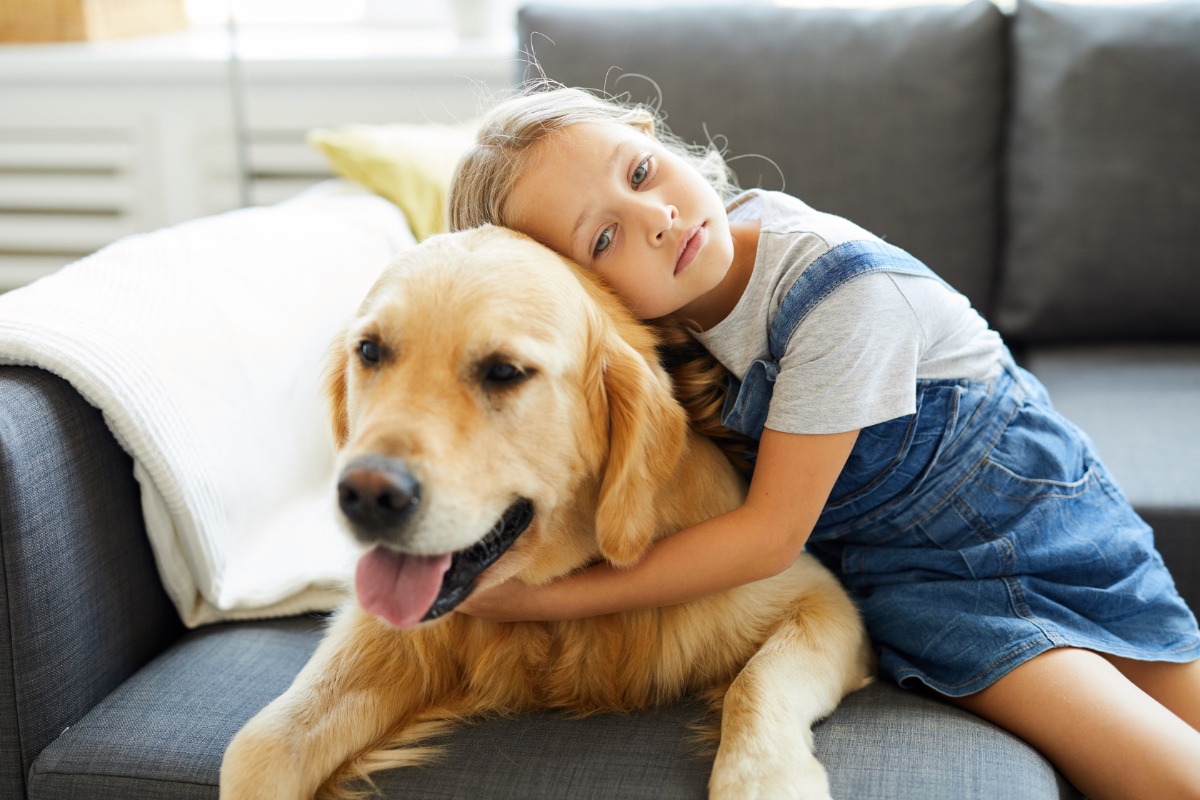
{"x":81,"y":604}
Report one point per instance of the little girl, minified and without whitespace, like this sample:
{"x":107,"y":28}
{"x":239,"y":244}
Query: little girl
{"x":993,"y":557}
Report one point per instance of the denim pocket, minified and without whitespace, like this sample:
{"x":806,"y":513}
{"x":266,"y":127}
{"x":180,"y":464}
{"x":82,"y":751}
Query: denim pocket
{"x":889,"y":457}
{"x":1040,"y":454}
{"x":1056,"y":520}
{"x":1007,"y":483}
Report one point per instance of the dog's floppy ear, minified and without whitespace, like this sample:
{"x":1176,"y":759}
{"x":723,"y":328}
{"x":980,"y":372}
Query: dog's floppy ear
{"x":647,"y":430}
{"x":335,"y":389}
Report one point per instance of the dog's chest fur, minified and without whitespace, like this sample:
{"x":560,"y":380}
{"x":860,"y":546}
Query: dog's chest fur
{"x":617,"y":662}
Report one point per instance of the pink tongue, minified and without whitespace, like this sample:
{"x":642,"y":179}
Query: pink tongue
{"x":397,"y":587}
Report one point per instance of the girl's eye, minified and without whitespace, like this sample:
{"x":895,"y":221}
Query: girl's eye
{"x":603,"y":242}
{"x":641,"y":173}
{"x":368,"y":352}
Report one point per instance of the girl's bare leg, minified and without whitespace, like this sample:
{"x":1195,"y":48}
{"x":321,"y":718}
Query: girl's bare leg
{"x":1176,"y":686}
{"x":1107,"y":736}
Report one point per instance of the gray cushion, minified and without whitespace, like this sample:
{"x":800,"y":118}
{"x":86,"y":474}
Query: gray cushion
{"x":1104,"y":192}
{"x":163,"y":732}
{"x":82,"y":605}
{"x":890,"y":117}
{"x":1140,"y":404}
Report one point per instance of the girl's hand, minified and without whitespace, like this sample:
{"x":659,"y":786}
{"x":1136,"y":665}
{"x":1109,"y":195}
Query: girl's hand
{"x":511,"y":601}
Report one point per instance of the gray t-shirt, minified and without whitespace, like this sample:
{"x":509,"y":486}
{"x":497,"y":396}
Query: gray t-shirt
{"x":855,"y":360}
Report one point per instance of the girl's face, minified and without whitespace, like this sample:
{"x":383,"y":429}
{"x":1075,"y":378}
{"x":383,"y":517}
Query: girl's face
{"x":615,"y":200}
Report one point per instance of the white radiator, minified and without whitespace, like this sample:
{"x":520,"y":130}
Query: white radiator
{"x":63,"y":194}
{"x":102,"y":140}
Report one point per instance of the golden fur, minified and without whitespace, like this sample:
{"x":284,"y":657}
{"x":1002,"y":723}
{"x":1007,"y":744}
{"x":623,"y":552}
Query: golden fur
{"x":595,"y":438}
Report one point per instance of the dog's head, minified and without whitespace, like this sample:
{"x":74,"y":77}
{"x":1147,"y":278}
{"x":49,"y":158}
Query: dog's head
{"x":498,"y":413}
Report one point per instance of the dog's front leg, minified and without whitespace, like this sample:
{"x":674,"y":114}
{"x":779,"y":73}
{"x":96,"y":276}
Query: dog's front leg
{"x":362,"y":680}
{"x":815,"y":657}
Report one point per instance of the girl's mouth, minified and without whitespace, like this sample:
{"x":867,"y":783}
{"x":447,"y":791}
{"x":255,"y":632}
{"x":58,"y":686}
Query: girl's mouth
{"x":691,"y":244}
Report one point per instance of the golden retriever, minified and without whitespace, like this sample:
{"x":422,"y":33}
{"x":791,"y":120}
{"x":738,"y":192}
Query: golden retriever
{"x":499,"y":414}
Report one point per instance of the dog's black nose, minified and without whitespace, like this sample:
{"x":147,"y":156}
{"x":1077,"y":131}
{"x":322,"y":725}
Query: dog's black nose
{"x":377,"y":493}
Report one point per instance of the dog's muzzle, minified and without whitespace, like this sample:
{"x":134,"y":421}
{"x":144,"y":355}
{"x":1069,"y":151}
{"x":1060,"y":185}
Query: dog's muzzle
{"x":378,"y":495}
{"x":466,"y":565}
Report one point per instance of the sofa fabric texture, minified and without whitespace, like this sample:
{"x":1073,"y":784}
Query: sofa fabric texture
{"x":1104,"y":173}
{"x":168,"y":726}
{"x":82,"y":605}
{"x":183,"y":708}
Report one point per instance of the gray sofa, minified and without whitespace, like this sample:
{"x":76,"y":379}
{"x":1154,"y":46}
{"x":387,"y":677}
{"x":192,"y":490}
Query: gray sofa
{"x":1047,"y":163}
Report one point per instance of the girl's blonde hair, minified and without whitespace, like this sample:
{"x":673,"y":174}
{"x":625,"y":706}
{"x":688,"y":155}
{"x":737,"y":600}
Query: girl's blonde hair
{"x":506,"y":138}
{"x":504,"y":150}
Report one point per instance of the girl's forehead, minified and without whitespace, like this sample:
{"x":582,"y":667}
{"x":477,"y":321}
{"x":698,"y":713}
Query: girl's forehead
{"x":582,"y":152}
{"x":593,"y":138}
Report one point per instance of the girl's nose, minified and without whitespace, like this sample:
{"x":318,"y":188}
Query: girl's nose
{"x":663,"y":219}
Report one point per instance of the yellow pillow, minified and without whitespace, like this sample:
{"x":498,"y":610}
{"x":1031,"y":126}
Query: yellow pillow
{"x":411,"y":165}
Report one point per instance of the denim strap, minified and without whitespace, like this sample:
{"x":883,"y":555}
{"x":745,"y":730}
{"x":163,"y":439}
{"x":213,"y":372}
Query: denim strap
{"x":749,"y":399}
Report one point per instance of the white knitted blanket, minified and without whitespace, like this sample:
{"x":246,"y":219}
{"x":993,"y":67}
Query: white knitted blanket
{"x":203,"y":345}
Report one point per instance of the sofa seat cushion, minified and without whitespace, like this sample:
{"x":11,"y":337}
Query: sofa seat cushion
{"x":162,"y":733}
{"x":1140,"y":404}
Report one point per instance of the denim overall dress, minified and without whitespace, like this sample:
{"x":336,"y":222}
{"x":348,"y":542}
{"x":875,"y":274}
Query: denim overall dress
{"x":981,"y":530}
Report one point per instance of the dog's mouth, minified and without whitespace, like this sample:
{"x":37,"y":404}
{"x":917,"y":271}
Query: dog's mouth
{"x":405,"y":589}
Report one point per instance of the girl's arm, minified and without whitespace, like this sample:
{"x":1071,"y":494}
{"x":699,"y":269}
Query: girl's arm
{"x":792,"y":480}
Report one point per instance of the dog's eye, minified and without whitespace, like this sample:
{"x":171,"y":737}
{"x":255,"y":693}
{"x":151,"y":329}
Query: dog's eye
{"x":369,"y":353}
{"x":501,"y":373}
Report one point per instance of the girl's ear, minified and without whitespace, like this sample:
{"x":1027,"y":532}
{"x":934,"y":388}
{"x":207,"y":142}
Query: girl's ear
{"x":647,"y":431}
{"x":336,"y":360}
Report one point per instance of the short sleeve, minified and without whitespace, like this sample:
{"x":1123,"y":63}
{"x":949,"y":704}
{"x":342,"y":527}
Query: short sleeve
{"x":851,"y":363}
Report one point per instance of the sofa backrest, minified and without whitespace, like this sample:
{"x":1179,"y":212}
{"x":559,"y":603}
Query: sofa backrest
{"x":1103,"y":201}
{"x":890,"y":117}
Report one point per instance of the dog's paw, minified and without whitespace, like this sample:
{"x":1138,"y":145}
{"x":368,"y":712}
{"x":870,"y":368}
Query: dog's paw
{"x":257,"y":767}
{"x":744,"y":778}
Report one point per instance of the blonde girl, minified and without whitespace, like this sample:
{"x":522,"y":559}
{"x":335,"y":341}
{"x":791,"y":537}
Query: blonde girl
{"x":993,"y":557}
